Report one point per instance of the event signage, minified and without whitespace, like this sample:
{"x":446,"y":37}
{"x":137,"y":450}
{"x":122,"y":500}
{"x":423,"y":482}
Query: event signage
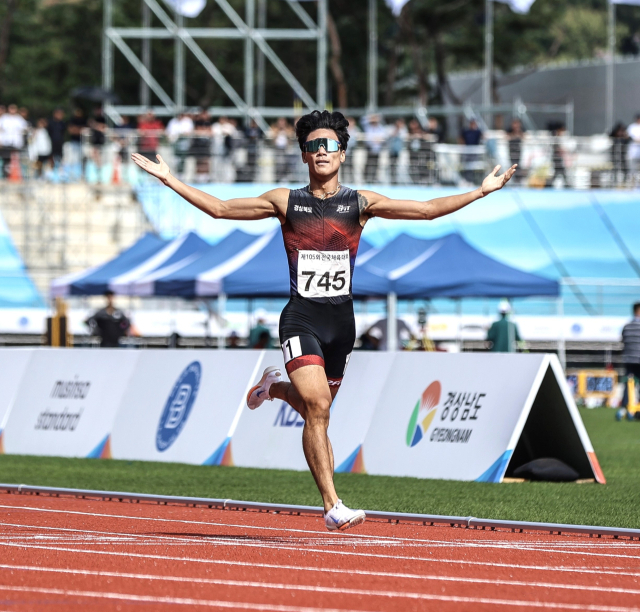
{"x":181,"y":405}
{"x":13,"y":365}
{"x":66,"y":402}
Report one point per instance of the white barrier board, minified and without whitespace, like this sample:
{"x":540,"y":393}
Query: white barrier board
{"x":181,"y":404}
{"x":271,"y":436}
{"x":461,"y":416}
{"x":13,"y":365}
{"x":66,"y":402}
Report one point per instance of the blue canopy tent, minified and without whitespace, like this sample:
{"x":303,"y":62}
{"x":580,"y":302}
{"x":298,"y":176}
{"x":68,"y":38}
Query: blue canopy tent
{"x":179,"y":253}
{"x":95,"y":281}
{"x":182,"y":282}
{"x":443,"y":267}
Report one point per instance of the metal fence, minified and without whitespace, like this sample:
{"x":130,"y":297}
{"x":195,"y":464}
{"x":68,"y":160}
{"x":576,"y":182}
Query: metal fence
{"x":403,"y":159}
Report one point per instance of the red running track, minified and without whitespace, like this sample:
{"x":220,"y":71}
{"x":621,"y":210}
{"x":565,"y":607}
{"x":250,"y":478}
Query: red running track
{"x":72,"y":554}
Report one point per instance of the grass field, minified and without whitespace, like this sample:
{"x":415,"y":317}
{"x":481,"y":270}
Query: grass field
{"x":615,"y":504}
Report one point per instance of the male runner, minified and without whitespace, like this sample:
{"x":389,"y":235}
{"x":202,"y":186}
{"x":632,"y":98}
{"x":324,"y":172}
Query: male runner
{"x":321,"y":227}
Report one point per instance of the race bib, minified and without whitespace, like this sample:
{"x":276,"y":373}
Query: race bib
{"x":323,"y":273}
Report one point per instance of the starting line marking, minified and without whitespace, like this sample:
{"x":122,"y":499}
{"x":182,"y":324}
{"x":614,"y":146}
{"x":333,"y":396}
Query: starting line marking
{"x":280,"y":608}
{"x":283,"y":586}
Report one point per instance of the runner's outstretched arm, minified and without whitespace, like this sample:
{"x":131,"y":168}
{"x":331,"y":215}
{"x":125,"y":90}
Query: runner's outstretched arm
{"x":270,"y":204}
{"x":375,"y":205}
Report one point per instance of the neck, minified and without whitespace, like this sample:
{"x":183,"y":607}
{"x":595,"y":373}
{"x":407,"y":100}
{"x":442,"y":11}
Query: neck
{"x":323,"y":185}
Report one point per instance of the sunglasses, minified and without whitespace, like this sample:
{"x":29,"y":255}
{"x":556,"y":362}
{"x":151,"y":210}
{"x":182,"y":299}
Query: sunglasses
{"x":330,"y":146}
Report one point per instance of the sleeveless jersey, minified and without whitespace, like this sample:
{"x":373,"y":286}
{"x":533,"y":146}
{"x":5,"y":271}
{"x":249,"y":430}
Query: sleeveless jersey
{"x":321,"y":238}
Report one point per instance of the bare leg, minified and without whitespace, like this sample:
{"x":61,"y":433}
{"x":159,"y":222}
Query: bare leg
{"x":310,"y":395}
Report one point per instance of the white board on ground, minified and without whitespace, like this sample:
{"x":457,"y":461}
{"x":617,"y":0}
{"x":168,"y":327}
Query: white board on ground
{"x":66,"y":402}
{"x":13,"y":365}
{"x":461,"y":416}
{"x":271,"y":436}
{"x":181,"y":404}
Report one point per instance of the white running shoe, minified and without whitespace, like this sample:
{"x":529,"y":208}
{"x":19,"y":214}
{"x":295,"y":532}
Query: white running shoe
{"x":260,"y":392}
{"x":340,"y":517}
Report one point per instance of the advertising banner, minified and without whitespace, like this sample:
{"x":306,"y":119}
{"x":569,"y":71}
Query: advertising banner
{"x":180,"y":405}
{"x":13,"y":365}
{"x":465,"y":416}
{"x":271,"y":436}
{"x":66,"y":402}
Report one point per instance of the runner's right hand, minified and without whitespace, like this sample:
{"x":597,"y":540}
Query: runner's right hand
{"x":159,"y":170}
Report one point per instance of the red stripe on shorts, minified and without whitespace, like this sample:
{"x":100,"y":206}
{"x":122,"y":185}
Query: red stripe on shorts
{"x":334,"y":382}
{"x":304,"y":360}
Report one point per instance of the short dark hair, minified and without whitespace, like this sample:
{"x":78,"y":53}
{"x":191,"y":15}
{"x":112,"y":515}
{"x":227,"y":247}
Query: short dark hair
{"x":109,"y":293}
{"x":636,"y":307}
{"x":323,"y":121}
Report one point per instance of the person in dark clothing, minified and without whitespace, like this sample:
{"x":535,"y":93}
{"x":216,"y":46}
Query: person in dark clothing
{"x":471,"y":137}
{"x":631,"y":350}
{"x":57,"y":128}
{"x":503,"y":334}
{"x":76,"y":125}
{"x":619,"y":153}
{"x":110,"y":324}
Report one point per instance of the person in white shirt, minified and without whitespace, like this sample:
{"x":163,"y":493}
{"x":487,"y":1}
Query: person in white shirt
{"x":13,"y":129}
{"x":40,"y":146}
{"x":634,"y":150}
{"x":178,"y":131}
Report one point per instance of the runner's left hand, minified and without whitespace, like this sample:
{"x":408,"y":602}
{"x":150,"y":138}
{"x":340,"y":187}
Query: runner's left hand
{"x":493,"y":182}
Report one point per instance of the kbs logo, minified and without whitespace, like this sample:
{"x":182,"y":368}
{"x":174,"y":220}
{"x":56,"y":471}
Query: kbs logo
{"x":424,"y":413}
{"x":178,"y":406}
{"x":288,"y":417}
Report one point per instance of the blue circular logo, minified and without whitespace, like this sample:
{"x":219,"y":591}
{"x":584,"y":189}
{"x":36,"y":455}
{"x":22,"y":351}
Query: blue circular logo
{"x":178,"y":406}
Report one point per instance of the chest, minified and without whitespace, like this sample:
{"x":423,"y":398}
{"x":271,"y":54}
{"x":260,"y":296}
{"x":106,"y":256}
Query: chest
{"x":323,"y":218}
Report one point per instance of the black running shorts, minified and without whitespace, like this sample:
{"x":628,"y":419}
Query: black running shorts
{"x":314,"y":333}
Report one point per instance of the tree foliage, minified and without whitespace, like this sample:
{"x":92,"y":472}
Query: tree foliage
{"x":48,"y":47}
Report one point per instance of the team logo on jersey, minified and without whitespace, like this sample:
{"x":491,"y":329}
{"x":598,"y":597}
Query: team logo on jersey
{"x":178,"y":406}
{"x":299,"y":208}
{"x":343,"y":209}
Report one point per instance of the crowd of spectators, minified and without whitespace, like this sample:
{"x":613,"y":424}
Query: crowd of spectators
{"x":222,"y":149}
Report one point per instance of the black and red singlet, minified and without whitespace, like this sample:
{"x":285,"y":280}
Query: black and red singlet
{"x":321,"y":237}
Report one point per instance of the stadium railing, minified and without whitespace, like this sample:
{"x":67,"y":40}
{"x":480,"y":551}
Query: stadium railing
{"x":544,"y":160}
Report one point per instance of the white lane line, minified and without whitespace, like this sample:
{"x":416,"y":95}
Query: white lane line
{"x":277,"y":585}
{"x":551,"y":568}
{"x":283,"y":545}
{"x":184,"y":601}
{"x":508,"y":543}
{"x":280,"y":608}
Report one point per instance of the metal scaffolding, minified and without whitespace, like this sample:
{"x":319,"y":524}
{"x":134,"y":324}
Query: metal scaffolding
{"x":185,"y":38}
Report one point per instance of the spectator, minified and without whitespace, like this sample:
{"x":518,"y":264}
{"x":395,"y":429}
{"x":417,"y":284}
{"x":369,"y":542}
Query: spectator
{"x":379,"y":331}
{"x":634,"y":151}
{"x":260,"y":336}
{"x":40,"y":147}
{"x":370,"y":340}
{"x":419,"y":149}
{"x":98,"y":125}
{"x":149,"y":129}
{"x":375,"y":135}
{"x":396,"y":145}
{"x":436,"y":130}
{"x":631,"y":350}
{"x":471,"y":162}
{"x":253,"y":137}
{"x":619,"y":152}
{"x":57,"y":128}
{"x":558,"y":154}
{"x":122,"y":138}
{"x":13,"y":129}
{"x":233,"y":341}
{"x":201,"y":144}
{"x":355,"y":136}
{"x":179,"y":130}
{"x":76,"y":125}
{"x":282,"y":133}
{"x":515,"y":136}
{"x":109,"y":323}
{"x":503,"y":334}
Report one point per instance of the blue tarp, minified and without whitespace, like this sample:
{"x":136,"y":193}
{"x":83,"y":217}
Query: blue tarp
{"x":95,"y":281}
{"x":444,"y":267}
